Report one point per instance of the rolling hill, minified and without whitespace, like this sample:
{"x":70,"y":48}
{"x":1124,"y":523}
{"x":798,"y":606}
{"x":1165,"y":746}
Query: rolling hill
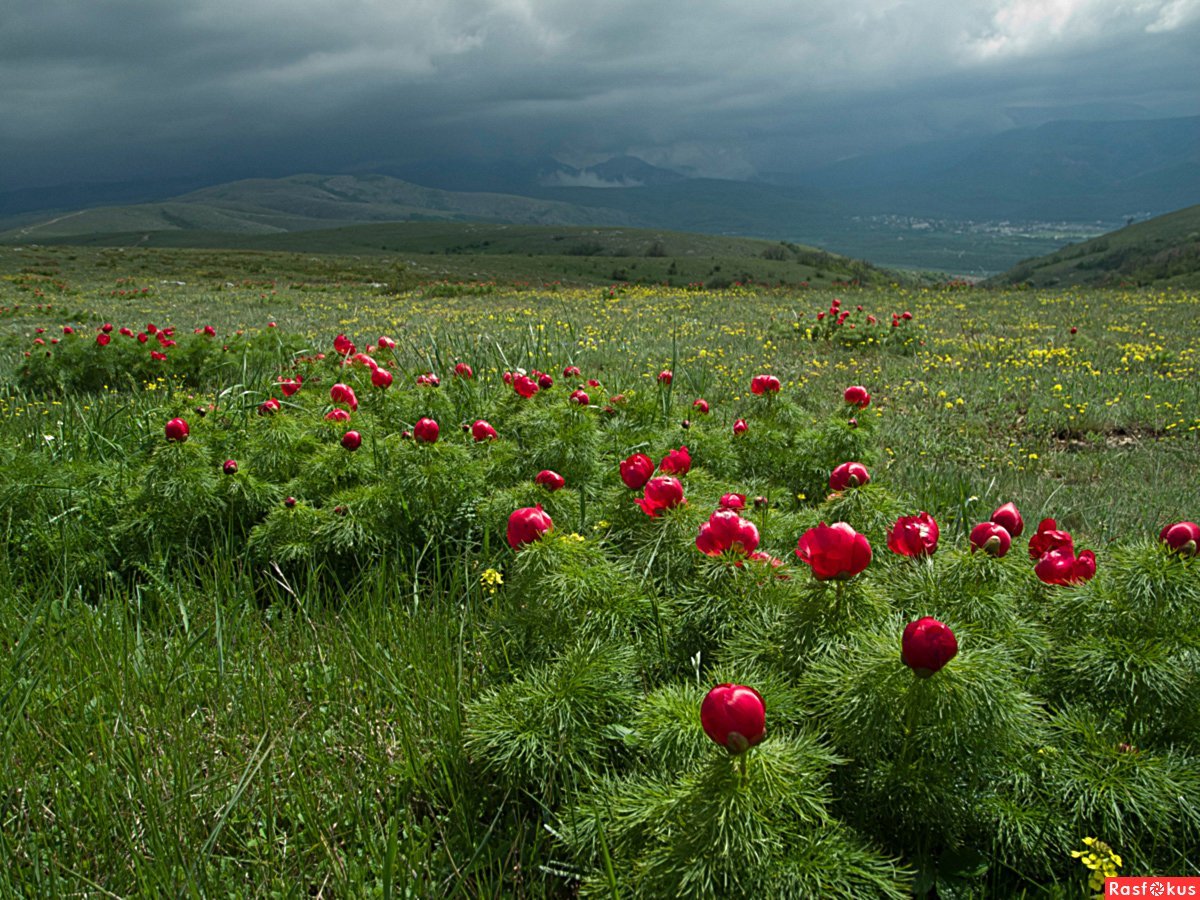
{"x":1163,"y":251}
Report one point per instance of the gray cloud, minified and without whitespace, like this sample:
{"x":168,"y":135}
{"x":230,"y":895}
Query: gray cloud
{"x":120,"y":88}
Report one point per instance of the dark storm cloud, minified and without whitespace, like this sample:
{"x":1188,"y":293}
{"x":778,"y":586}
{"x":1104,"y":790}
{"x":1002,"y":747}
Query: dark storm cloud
{"x":123,"y":88}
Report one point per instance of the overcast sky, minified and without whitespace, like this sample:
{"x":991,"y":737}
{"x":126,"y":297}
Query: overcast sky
{"x":124,"y":89}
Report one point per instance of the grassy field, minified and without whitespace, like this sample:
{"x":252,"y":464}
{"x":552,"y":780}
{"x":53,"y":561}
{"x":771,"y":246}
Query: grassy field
{"x":209,"y":692}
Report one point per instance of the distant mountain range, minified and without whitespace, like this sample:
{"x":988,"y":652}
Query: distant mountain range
{"x":904,"y":207}
{"x":1164,"y":251}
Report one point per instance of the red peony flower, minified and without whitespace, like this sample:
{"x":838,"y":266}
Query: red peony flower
{"x":337,"y":414}
{"x":462,"y":370}
{"x":381,"y":378}
{"x":545,"y":381}
{"x":289,"y":386}
{"x":571,"y":372}
{"x":734,"y":716}
{"x":725,"y":530}
{"x":1048,"y":538}
{"x":551,"y":481}
{"x":636,"y":471}
{"x":701,"y":404}
{"x":990,"y":537}
{"x":125,"y":331}
{"x":835,"y":552}
{"x":268,"y":407}
{"x":927,"y":645}
{"x":1009,"y":516}
{"x":106,"y":327}
{"x":856,"y":395}
{"x":579,"y":398}
{"x":527,"y":525}
{"x":230,"y":467}
{"x":914,"y":535}
{"x":1182,"y":538}
{"x":665,"y":376}
{"x":426,"y":431}
{"x":482,"y":431}
{"x":342,"y":393}
{"x":740,"y":427}
{"x":351,"y":440}
{"x":177,"y":430}
{"x":764,"y":384}
{"x":848,"y":475}
{"x":428,"y":380}
{"x":660,"y":493}
{"x":732,"y":501}
{"x":525,"y":386}
{"x":677,"y":462}
{"x":103,"y":338}
{"x":209,"y":331}
{"x":1063,"y":567}
{"x":386,"y":343}
{"x":343,"y":345}
{"x":154,"y":354}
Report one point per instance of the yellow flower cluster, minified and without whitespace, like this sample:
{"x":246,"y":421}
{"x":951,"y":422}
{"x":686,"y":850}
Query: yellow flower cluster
{"x":1100,"y":858}
{"x":490,"y":580}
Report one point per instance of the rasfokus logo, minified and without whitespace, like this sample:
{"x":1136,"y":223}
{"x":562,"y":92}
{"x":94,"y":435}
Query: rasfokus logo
{"x":1152,"y":887}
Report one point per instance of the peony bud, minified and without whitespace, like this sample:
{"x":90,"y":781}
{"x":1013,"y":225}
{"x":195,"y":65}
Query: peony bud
{"x":1182,"y":538}
{"x":740,"y":427}
{"x":1008,"y":516}
{"x":426,"y":431}
{"x":734,"y":716}
{"x":990,"y":537}
{"x":482,"y":431}
{"x":848,"y":475}
{"x":177,"y":430}
{"x":351,"y":440}
{"x":927,"y":645}
{"x":527,"y":525}
{"x":551,"y":481}
{"x":230,"y":467}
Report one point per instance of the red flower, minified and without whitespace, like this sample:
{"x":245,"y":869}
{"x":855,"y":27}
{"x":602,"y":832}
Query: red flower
{"x":551,"y":481}
{"x":835,"y":552}
{"x":740,"y":427}
{"x":381,"y":378}
{"x":1009,"y":516}
{"x":386,"y":343}
{"x":177,"y":430}
{"x":579,"y":398}
{"x":337,"y":414}
{"x":1063,"y":567}
{"x":856,"y":395}
{"x":665,"y":376}
{"x":677,"y":462}
{"x":732,"y":501}
{"x":725,"y":530}
{"x":210,"y":331}
{"x":142,"y":338}
{"x":701,"y":404}
{"x":343,"y":345}
{"x":156,"y":354}
{"x":661,"y":493}
{"x":125,"y":331}
{"x":289,"y":386}
{"x":342,"y":393}
{"x":268,"y":407}
{"x":426,"y":431}
{"x":150,"y":329}
{"x":351,"y":440}
{"x":636,"y":471}
{"x":571,"y":372}
{"x":1048,"y":538}
{"x":482,"y":431}
{"x":527,"y":525}
{"x":67,"y":329}
{"x":927,"y":645}
{"x":106,"y":327}
{"x":103,"y":338}
{"x":429,"y":380}
{"x":593,"y":383}
{"x":734,"y":716}
{"x":365,"y":360}
{"x":462,"y":370}
{"x":990,"y":537}
{"x":230,"y":467}
{"x":764,"y":384}
{"x":1182,"y":538}
{"x":914,"y":535}
{"x":848,"y":475}
{"x":525,"y":386}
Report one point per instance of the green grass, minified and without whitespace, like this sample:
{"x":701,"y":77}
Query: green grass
{"x":204,"y":693}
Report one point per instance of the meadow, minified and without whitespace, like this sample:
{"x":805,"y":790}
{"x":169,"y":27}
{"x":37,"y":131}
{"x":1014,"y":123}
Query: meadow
{"x":328,"y":671}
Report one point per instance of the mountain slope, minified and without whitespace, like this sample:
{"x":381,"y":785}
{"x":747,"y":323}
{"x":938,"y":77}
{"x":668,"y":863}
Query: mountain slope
{"x":303,"y":202}
{"x":1164,"y":251}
